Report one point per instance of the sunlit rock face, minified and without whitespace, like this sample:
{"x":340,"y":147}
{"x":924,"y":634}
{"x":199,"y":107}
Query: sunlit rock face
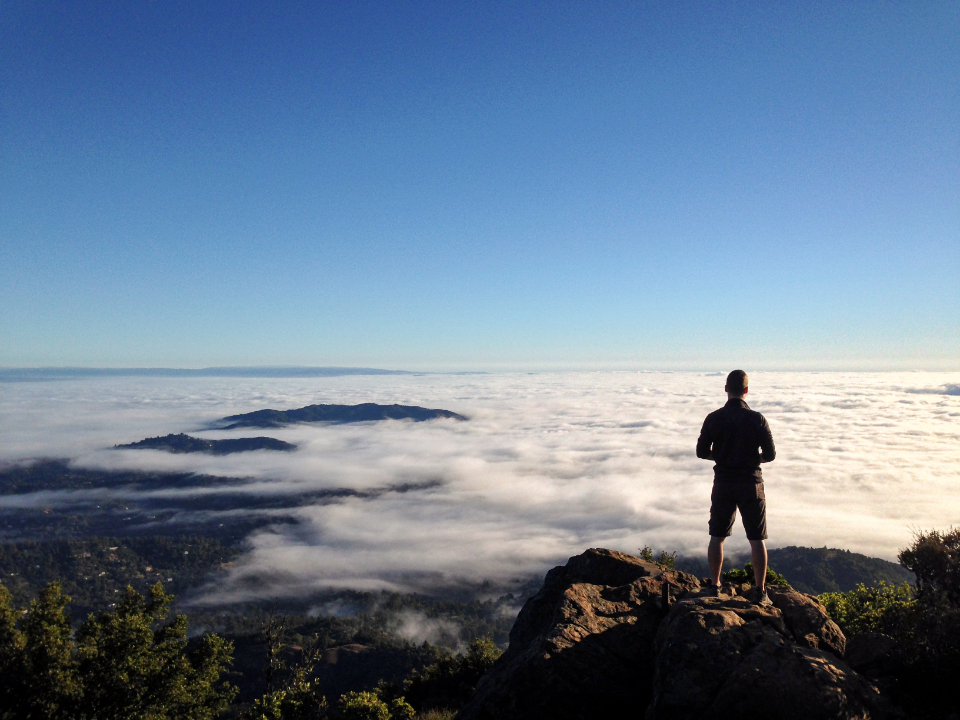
{"x":583,"y":646}
{"x":610,"y":635}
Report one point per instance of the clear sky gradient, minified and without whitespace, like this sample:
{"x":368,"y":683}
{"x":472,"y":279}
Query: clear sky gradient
{"x":480,"y":185}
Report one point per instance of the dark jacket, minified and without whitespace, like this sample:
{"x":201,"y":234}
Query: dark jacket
{"x":738,"y":439}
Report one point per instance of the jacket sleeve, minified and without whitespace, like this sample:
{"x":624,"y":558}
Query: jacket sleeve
{"x":705,"y":442}
{"x":767,"y":449}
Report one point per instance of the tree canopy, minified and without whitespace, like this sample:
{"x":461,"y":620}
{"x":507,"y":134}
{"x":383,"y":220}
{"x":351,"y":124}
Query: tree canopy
{"x":127,"y":664}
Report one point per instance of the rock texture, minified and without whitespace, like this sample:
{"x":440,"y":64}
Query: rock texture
{"x":582,"y":647}
{"x":610,"y":635}
{"x":807,"y":621}
{"x":726,"y":657}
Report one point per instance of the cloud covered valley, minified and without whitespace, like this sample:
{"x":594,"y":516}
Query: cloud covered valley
{"x":546,"y":465}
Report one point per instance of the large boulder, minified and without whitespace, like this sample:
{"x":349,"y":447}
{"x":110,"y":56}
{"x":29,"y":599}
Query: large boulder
{"x":582,"y":647}
{"x":727,"y":657}
{"x":610,"y":635}
{"x":807,"y":620}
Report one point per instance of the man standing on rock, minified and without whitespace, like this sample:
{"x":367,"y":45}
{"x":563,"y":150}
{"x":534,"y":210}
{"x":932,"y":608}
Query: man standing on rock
{"x":737,"y":439}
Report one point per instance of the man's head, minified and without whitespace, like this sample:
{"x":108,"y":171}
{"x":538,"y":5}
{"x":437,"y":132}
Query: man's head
{"x":736,"y":384}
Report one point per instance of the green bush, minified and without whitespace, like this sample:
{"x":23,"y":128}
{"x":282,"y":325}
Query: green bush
{"x":884,"y":608}
{"x":449,"y":683}
{"x":124,"y":664}
{"x":746,"y":576}
{"x":298,"y":699}
{"x":925,"y":621}
{"x":668,"y":560}
{"x":362,"y":706}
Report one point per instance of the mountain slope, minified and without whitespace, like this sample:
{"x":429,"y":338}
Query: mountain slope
{"x":186,"y":444}
{"x":365,"y":412}
{"x":818,"y":570}
{"x":815,"y":570}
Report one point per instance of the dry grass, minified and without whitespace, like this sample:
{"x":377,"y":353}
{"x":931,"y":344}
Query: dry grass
{"x":437,"y":715}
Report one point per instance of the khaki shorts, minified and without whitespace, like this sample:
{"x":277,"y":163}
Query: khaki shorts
{"x":727,"y":497}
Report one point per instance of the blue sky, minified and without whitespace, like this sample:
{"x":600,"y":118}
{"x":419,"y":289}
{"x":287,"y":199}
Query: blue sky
{"x":480,"y":185}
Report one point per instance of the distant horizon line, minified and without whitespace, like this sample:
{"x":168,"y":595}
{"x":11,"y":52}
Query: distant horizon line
{"x":51,"y":372}
{"x":63,"y":372}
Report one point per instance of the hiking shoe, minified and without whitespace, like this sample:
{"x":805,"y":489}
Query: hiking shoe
{"x":711,"y":590}
{"x":763,"y":600}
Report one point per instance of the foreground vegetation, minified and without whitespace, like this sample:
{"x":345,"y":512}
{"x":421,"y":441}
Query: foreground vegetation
{"x":435,"y":693}
{"x":124,"y":664}
{"x":132,"y":660}
{"x":923,"y":620}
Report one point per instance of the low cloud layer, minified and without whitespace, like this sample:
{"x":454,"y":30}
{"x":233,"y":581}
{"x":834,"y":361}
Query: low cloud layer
{"x":548,"y":465}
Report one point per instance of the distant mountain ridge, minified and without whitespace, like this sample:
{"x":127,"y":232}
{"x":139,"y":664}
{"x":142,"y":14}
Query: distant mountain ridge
{"x":816,"y":570}
{"x":364,"y":412}
{"x":36,"y":374}
{"x":187,"y":444}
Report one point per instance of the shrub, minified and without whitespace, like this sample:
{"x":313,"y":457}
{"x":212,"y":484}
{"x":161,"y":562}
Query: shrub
{"x":746,"y":576}
{"x":400,"y":709}
{"x":298,"y":699}
{"x":924,"y":621}
{"x":930,"y":648}
{"x":437,"y":714}
{"x":450,"y":681}
{"x":362,"y":706}
{"x":668,"y":560}
{"x":884,"y":608}
{"x":124,"y":664}
{"x":931,"y":642}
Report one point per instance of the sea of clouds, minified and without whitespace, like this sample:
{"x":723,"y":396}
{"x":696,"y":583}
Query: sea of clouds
{"x":547,"y":465}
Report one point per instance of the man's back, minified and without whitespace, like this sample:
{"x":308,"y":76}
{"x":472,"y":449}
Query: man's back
{"x":733,"y":437}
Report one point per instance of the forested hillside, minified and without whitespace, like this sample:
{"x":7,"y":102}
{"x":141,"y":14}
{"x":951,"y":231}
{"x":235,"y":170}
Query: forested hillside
{"x":95,"y":571}
{"x":815,"y":570}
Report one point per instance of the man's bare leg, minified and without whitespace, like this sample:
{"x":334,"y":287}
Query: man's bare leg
{"x":715,"y":558}
{"x":758,"y":556}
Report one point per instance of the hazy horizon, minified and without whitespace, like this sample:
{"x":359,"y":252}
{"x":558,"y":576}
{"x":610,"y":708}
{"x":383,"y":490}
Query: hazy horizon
{"x":66,"y":372}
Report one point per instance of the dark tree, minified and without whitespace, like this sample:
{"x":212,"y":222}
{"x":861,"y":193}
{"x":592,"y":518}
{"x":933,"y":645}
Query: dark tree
{"x":934,"y":558}
{"x":122,"y":664}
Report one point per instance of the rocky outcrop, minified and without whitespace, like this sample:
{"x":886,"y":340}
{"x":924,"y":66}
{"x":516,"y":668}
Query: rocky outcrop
{"x":583,"y":646}
{"x":807,"y":621}
{"x":610,"y":635}
{"x":727,"y":657}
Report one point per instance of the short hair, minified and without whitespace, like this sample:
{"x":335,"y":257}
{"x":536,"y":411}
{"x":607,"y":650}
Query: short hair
{"x":737,"y":382}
